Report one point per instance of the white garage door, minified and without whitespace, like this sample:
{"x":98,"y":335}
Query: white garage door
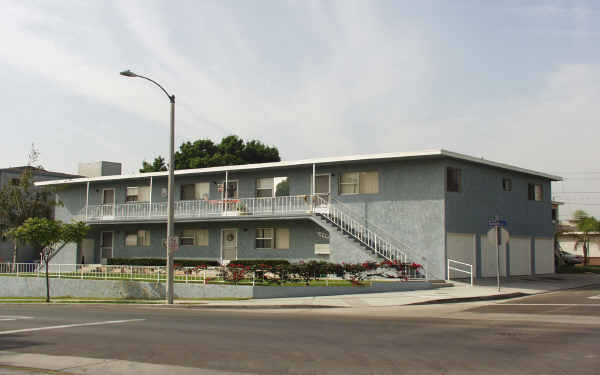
{"x":544,"y":255}
{"x":461,"y":247}
{"x":520,"y":255}
{"x":488,"y":258}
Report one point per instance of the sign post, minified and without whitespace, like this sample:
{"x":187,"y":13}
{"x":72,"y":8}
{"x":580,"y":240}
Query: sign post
{"x":497,"y":236}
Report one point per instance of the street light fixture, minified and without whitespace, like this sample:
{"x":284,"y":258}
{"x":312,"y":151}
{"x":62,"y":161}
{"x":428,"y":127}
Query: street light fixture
{"x":170,"y":211}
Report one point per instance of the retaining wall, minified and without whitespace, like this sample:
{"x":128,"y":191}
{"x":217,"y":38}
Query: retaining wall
{"x":36,"y":287}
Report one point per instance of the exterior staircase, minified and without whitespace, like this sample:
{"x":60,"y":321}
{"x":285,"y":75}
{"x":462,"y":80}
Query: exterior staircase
{"x":360,"y":230}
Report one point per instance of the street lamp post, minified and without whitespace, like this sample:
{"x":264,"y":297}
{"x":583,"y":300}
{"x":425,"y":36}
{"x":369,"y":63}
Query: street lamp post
{"x":170,"y":201}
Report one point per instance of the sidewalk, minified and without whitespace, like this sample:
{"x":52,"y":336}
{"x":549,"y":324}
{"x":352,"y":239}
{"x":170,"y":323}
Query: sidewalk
{"x":458,"y":292}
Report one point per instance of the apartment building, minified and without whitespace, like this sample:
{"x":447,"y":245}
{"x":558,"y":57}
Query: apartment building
{"x":425,"y":207}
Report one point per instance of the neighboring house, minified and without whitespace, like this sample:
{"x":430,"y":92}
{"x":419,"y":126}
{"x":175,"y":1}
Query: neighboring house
{"x":12,"y":176}
{"x":423,"y":207}
{"x":571,"y":243}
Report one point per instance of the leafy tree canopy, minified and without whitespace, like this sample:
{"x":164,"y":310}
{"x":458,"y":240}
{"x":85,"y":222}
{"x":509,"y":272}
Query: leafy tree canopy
{"x":205,"y":153}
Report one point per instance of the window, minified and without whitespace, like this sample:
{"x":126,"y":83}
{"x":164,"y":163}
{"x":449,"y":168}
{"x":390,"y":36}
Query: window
{"x":453,"y":179}
{"x":264,"y":238}
{"x":272,"y":187}
{"x":194,"y":237}
{"x":359,"y":183}
{"x":535,"y":192}
{"x":197,"y":191}
{"x":139,"y":238}
{"x":132,"y":194}
{"x":506,"y":184}
{"x":269,"y":238}
{"x":264,"y":187}
{"x":138,"y":194}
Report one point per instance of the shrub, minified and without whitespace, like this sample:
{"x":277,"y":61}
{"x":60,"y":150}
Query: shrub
{"x":153,"y":262}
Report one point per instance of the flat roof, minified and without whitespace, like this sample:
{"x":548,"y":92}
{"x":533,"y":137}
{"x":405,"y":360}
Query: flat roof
{"x":39,"y":172}
{"x":308,"y":162}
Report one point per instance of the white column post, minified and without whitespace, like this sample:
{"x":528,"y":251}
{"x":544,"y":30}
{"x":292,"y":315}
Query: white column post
{"x":312,"y":198}
{"x":87,"y":200}
{"x":225,"y":192}
{"x":150,"y":209}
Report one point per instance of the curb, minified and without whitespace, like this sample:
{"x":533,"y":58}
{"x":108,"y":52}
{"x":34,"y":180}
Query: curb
{"x":251,"y":307}
{"x":493,"y":297}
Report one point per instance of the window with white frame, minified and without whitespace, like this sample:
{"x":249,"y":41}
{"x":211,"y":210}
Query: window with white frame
{"x":139,"y":238}
{"x":264,"y":187}
{"x":270,"y":238}
{"x":535,"y":192}
{"x":138,"y":194}
{"x":359,"y":183}
{"x":272,"y":187}
{"x":507,"y":184}
{"x":194,"y":237}
{"x":197,"y":191}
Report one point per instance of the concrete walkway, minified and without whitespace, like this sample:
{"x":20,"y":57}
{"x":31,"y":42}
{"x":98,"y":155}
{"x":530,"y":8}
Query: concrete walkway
{"x":458,"y":292}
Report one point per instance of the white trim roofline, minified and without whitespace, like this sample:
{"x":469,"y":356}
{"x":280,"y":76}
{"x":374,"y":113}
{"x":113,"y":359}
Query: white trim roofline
{"x":307,"y":162}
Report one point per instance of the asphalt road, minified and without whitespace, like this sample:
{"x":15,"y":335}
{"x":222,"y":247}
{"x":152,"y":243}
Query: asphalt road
{"x":427,"y":340}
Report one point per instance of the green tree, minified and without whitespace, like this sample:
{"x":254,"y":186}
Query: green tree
{"x":585,"y":224}
{"x":158,"y":165}
{"x":204,"y":153}
{"x":44,"y":234}
{"x":22,"y":201}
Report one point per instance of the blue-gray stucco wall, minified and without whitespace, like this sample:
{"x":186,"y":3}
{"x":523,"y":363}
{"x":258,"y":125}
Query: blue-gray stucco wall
{"x":482,"y":197}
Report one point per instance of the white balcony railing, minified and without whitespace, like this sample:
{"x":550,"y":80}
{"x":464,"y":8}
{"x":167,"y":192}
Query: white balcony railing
{"x":271,"y":206}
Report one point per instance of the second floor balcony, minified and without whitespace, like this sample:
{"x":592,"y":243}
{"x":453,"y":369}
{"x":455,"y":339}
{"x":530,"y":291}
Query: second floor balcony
{"x":282,"y":206}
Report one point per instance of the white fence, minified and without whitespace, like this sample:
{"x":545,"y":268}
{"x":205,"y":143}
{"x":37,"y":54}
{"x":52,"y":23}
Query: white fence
{"x":109,"y":272}
{"x":455,"y":265}
{"x":214,"y":274}
{"x":270,"y":206}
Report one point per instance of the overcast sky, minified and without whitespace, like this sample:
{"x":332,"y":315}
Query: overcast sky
{"x":517,"y":82}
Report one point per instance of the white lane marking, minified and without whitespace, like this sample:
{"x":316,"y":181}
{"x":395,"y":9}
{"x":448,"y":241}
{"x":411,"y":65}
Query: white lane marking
{"x":548,"y":304}
{"x":13,"y":317}
{"x":69,"y":326}
{"x":595,"y":297}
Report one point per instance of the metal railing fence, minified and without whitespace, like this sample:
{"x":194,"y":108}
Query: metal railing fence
{"x":202,"y":275}
{"x":466,"y":268}
{"x":269,"y":206}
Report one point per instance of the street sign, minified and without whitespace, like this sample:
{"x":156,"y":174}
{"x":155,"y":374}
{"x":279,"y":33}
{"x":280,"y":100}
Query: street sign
{"x":496,"y":223}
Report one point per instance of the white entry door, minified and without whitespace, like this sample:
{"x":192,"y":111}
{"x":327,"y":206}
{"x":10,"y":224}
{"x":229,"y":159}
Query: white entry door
{"x":87,"y":251}
{"x":106,"y":245}
{"x":229,"y":244}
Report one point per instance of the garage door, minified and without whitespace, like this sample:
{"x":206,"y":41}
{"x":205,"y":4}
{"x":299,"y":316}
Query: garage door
{"x":488,"y":258}
{"x":544,"y":255}
{"x":520,"y":255}
{"x":461,"y":247}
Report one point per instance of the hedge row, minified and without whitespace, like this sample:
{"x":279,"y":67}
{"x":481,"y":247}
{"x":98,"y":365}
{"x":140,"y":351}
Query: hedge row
{"x":153,"y":262}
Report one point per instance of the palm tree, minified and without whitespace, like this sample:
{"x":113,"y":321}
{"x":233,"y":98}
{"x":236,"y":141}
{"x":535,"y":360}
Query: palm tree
{"x":585,"y":225}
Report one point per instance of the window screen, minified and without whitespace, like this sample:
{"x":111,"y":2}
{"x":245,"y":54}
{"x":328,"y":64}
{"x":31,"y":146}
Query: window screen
{"x":264,"y":238}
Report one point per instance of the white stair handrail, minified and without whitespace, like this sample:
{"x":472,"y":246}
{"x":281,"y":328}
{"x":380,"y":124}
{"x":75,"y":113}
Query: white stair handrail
{"x":380,"y":245}
{"x":457,"y":263}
